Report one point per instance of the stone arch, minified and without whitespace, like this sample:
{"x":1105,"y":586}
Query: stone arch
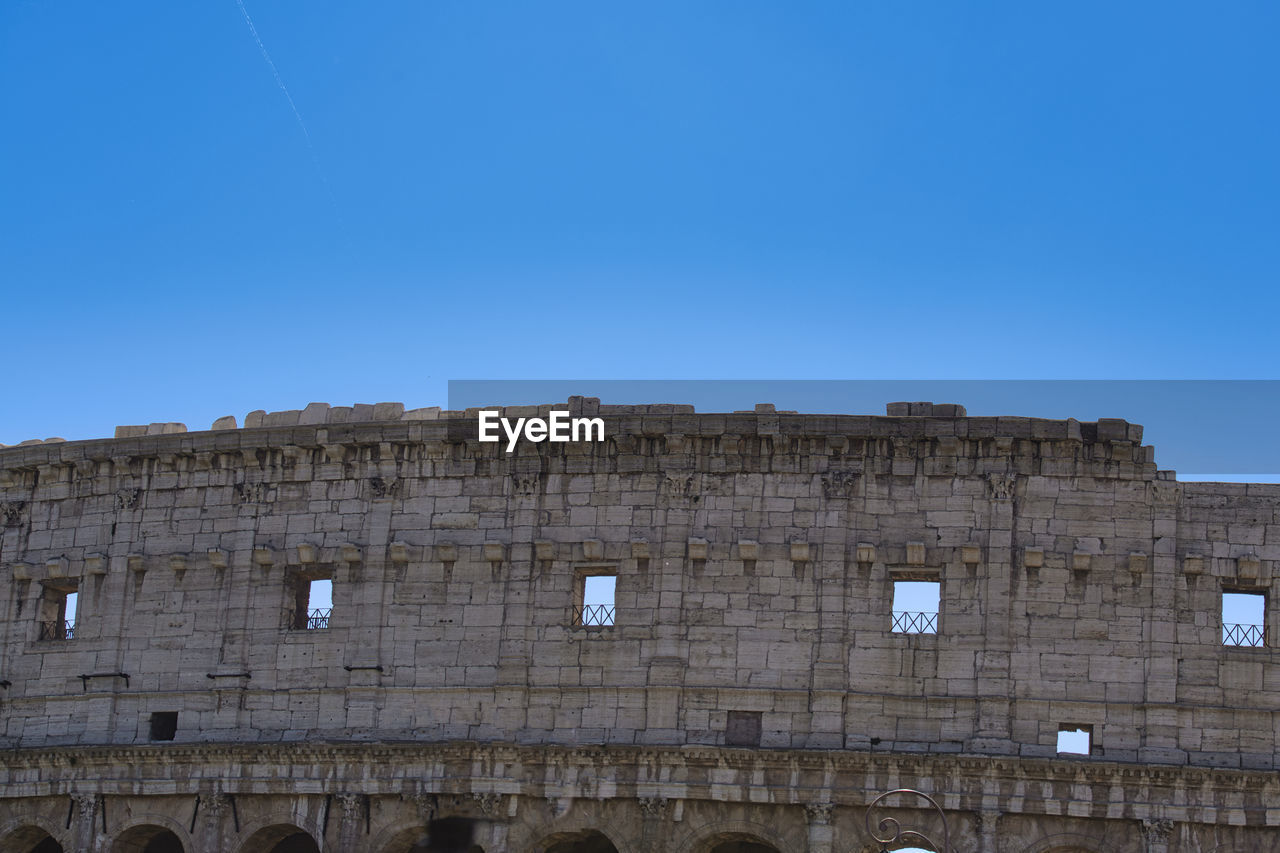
{"x":30,"y":835}
{"x":149,"y":835}
{"x":279,"y":837}
{"x":708,"y":838}
{"x":436,"y":836}
{"x":582,"y":841}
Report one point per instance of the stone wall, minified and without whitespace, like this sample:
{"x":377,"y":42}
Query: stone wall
{"x":755,"y":556}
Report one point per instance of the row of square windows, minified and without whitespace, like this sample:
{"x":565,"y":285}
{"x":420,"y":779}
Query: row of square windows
{"x":915,"y":609}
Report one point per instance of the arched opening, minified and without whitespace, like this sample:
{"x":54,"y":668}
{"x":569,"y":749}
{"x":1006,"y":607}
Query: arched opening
{"x":739,"y":842}
{"x":744,"y":846}
{"x":280,"y":838}
{"x":587,"y":841}
{"x":30,"y":839}
{"x":446,"y":835}
{"x":147,"y":838}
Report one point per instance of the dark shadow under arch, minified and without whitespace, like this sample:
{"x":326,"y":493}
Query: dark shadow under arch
{"x":445,"y":835}
{"x":147,"y":838}
{"x":587,"y":841}
{"x":30,"y":839}
{"x":280,"y":838}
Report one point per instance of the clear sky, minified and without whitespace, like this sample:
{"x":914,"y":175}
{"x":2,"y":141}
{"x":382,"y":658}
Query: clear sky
{"x":661,"y":189}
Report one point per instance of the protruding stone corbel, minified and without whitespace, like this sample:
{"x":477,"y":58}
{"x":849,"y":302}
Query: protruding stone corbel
{"x":639,"y":549}
{"x":95,"y":564}
{"x":217,"y":558}
{"x":697,"y":548}
{"x":970,"y":555}
{"x":915,"y":553}
{"x":865,"y":553}
{"x":136,"y":563}
{"x":1080,"y":561}
{"x":748,"y":550}
{"x":307,"y":553}
{"x":57,"y":567}
{"x":494,"y":552}
{"x":178,"y":564}
{"x":21,"y":571}
{"x":544,"y":549}
{"x":349,"y":553}
{"x":399,"y":553}
{"x":264,"y":557}
{"x":1033,"y":558}
{"x":1248,"y":567}
{"x":592,"y":549}
{"x":1137,"y":562}
{"x":801,"y":552}
{"x":447,"y":552}
{"x":1192,"y":564}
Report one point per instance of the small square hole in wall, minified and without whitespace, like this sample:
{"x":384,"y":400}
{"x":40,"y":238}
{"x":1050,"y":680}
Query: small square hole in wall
{"x":164,"y":725}
{"x":742,"y":729}
{"x":1075,"y":740}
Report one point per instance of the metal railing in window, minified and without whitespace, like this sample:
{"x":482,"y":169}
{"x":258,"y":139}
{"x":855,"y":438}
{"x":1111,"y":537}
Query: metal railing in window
{"x":593,"y":615}
{"x":905,"y":622}
{"x":318,"y":618}
{"x":58,"y":629}
{"x":1243,"y":635}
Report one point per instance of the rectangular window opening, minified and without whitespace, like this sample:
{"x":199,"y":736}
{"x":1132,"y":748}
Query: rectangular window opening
{"x":1244,"y":619}
{"x":915,"y":606}
{"x":595,"y":606}
{"x":164,"y":725}
{"x":58,"y":610}
{"x":1075,"y":739}
{"x":313,"y":603}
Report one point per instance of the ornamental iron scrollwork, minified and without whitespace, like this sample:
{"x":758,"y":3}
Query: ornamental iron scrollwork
{"x":889,"y":830}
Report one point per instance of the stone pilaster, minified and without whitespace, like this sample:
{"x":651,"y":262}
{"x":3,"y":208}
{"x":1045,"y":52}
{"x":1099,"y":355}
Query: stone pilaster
{"x":352,"y":821}
{"x":86,"y":813}
{"x":987,"y":822}
{"x":1156,"y":833}
{"x":821,"y":832}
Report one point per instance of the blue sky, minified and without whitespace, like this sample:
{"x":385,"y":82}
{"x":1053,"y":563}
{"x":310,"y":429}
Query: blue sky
{"x":665,"y":190}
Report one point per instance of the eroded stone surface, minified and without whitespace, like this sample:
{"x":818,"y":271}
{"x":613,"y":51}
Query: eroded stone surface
{"x":755,"y":554}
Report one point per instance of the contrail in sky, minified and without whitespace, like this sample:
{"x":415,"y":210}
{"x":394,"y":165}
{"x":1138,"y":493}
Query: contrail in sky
{"x":274,"y":71}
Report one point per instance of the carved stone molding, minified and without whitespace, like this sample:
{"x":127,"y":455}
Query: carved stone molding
{"x":384,"y":488}
{"x":654,"y":807}
{"x":251,"y":493}
{"x":524,"y":485}
{"x":839,"y":484}
{"x":819,"y":813}
{"x":1157,"y":829}
{"x":679,"y":489}
{"x":11,"y":511}
{"x":486,"y":802}
{"x":1001,"y":486}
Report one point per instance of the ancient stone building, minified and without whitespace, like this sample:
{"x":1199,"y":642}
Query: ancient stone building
{"x":167,"y":684}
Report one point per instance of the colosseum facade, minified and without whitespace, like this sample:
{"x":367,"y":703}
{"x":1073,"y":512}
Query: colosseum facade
{"x":748,"y":686}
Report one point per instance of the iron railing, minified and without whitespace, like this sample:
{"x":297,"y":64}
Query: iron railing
{"x":1243,"y":635}
{"x":58,"y":629}
{"x":905,"y":622}
{"x":318,"y":618}
{"x":593,"y":614}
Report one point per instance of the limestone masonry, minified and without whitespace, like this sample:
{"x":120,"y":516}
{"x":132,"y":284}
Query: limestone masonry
{"x":166,"y":682}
